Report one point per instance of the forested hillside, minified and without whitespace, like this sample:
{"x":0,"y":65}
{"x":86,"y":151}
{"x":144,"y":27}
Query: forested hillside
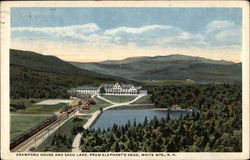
{"x":172,"y":67}
{"x":216,"y":128}
{"x":27,"y":83}
{"x":33,"y":75}
{"x":52,"y":64}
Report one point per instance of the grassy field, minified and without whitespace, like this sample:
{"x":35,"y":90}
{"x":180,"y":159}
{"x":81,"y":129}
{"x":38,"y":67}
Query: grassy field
{"x":87,"y":116}
{"x":144,"y":100}
{"x":64,"y":130}
{"x":162,"y":82}
{"x":119,"y":99}
{"x":134,"y":107}
{"x":31,"y":108}
{"x":99,"y":104}
{"x":20,"y":124}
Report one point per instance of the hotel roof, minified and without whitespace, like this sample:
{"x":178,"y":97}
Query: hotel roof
{"x":88,"y":87}
{"x":108,"y":85}
{"x":127,"y":86}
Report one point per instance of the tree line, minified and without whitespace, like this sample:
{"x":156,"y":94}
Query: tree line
{"x":217,"y":127}
{"x":17,"y":106}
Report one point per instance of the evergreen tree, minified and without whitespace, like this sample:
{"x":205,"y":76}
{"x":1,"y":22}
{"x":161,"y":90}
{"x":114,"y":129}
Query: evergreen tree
{"x":145,"y":121}
{"x":117,"y":147}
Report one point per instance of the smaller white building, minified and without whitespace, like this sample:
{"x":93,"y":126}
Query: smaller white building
{"x":86,"y":89}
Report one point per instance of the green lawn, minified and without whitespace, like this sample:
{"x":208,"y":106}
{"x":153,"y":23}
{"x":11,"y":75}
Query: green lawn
{"x":99,"y":104}
{"x":119,"y":99}
{"x":31,"y":108}
{"x":162,"y":82}
{"x":64,"y":130}
{"x":20,"y":124}
{"x":144,"y":100}
{"x":134,"y":107}
{"x":87,"y":116}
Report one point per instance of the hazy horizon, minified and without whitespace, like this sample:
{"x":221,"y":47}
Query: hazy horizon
{"x":131,"y":57}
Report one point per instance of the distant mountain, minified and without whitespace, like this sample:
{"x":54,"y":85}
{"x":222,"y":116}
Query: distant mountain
{"x":165,"y":58}
{"x":127,"y":60}
{"x":172,"y":67}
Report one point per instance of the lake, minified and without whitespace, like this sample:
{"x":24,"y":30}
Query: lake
{"x":121,"y":117}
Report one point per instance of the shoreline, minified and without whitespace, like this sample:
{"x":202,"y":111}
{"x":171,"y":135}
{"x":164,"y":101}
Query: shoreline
{"x":96,"y":119}
{"x":146,"y":107}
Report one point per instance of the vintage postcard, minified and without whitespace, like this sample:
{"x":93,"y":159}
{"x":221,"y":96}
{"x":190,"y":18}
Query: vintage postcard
{"x":125,"y":80}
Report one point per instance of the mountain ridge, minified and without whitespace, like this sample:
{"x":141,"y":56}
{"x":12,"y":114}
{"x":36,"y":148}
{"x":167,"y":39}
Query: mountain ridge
{"x":172,"y":56}
{"x":52,"y":64}
{"x":171,"y":67}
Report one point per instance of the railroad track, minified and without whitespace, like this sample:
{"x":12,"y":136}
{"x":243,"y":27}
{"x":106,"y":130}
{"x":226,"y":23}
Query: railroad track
{"x":41,"y":135}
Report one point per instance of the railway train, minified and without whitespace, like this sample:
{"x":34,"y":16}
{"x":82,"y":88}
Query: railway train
{"x":87,"y":98}
{"x":68,"y":109}
{"x":79,"y":102}
{"x":65,"y":109}
{"x":21,"y":138}
{"x":86,"y":107}
{"x":91,"y":101}
{"x":82,"y":96}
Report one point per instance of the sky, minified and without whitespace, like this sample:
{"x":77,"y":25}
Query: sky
{"x":98,"y":34}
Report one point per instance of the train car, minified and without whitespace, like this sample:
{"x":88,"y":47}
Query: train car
{"x":86,"y":107}
{"x":82,"y":96}
{"x":21,"y":138}
{"x":65,"y":109}
{"x":70,"y":110}
{"x":91,"y":101}
{"x":79,"y":102}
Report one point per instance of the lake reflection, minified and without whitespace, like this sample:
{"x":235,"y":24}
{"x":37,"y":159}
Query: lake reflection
{"x":121,"y":117}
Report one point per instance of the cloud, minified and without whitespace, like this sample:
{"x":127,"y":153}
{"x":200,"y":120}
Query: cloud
{"x":153,"y":35}
{"x":135,"y":30}
{"x":219,"y":25}
{"x":77,"y":31}
{"x":84,"y":28}
{"x":217,"y":34}
{"x":183,"y":40}
{"x":230,"y":36}
{"x":223,"y":34}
